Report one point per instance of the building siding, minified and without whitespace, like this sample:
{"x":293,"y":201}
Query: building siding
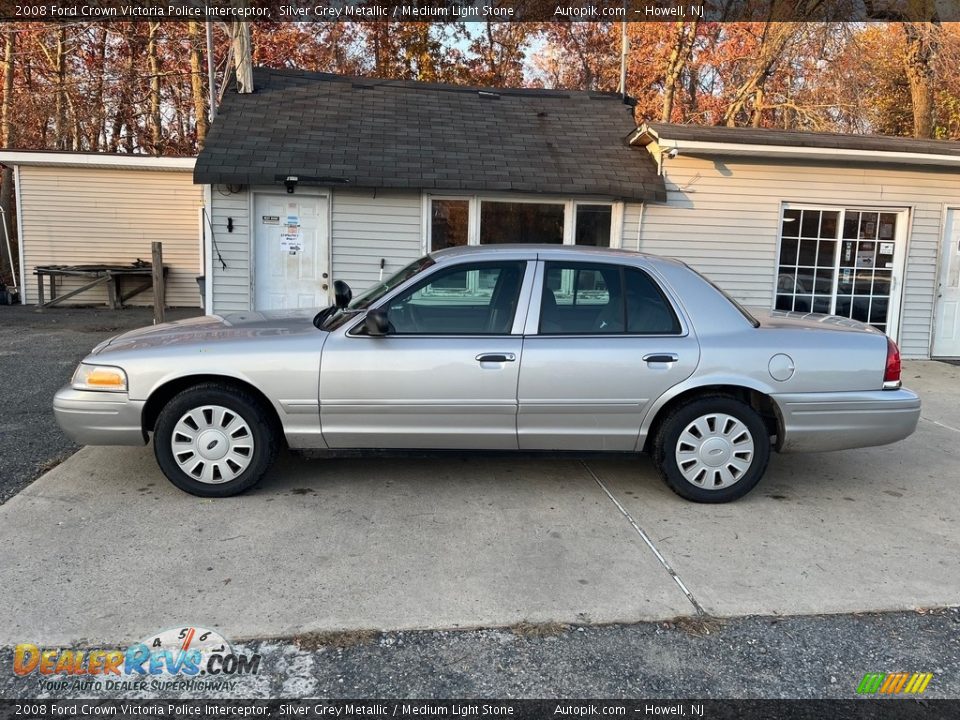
{"x":370,"y":226}
{"x":85,"y":216}
{"x":722,"y":216}
{"x":229,"y":251}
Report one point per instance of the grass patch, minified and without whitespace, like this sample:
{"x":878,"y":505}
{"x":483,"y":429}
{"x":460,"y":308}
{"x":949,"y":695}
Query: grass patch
{"x":48,"y":465}
{"x":334,"y":639}
{"x":698,"y":626}
{"x":538,"y":630}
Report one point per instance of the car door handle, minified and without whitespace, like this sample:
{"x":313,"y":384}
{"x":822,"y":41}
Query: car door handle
{"x":660,"y":357}
{"x":496,"y":357}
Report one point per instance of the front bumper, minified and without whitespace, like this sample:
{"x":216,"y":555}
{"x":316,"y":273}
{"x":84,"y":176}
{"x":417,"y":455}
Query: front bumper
{"x":814,"y":422}
{"x":99,"y":418}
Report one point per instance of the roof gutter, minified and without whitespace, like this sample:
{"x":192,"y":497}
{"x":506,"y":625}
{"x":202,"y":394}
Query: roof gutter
{"x":645,"y":136}
{"x":98,"y":160}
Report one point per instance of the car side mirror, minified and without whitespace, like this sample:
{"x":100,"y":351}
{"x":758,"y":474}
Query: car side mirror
{"x":377,"y":323}
{"x":342,"y":294}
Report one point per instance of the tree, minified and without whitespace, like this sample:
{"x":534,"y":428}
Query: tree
{"x":497,"y":54}
{"x":922,"y":41}
{"x":680,"y":53}
{"x":580,"y":55}
{"x":197,"y":92}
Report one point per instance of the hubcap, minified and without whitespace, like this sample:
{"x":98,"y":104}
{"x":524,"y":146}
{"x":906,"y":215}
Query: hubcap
{"x":714,"y":451}
{"x":212,"y":444}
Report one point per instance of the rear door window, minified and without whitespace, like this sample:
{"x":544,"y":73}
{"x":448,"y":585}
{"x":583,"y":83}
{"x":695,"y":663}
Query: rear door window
{"x":603,"y":299}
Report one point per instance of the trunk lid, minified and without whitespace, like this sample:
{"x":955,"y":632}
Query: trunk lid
{"x":782,"y":319}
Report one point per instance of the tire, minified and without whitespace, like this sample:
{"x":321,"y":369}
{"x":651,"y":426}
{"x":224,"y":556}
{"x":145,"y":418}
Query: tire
{"x":213,"y":440}
{"x":725,"y":462}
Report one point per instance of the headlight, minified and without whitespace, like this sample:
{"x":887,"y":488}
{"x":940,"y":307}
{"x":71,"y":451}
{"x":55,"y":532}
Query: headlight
{"x":99,"y":377}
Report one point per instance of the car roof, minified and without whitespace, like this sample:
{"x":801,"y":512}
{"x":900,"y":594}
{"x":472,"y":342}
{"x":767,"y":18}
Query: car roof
{"x":545,"y":251}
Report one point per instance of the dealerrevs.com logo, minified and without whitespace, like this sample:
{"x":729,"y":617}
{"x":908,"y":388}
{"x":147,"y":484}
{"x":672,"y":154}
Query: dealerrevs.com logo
{"x":185,"y":658}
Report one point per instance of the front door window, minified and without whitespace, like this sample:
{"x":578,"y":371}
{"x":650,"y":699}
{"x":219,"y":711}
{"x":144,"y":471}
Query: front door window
{"x":465,"y":299}
{"x":839,"y":262}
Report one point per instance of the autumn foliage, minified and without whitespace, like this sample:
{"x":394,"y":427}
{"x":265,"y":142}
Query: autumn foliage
{"x":141,"y":87}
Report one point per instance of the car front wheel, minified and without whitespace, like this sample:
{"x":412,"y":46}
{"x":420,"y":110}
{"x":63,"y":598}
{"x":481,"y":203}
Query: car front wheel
{"x":214,"y":441}
{"x":712,"y":450}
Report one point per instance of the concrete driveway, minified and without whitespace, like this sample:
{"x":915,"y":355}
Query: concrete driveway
{"x":103,"y":549}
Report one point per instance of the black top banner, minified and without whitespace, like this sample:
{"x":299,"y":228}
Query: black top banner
{"x":481,"y":10}
{"x":486,"y":709}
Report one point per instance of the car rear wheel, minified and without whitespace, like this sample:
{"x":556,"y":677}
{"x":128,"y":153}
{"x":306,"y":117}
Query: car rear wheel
{"x":214,"y":441}
{"x":712,"y":450}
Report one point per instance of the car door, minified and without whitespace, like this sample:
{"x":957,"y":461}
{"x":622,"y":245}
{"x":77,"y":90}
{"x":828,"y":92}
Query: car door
{"x":445,"y":374}
{"x":602,"y":341}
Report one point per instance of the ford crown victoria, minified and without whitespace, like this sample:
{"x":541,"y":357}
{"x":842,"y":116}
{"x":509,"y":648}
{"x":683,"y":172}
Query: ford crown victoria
{"x":498,"y":348}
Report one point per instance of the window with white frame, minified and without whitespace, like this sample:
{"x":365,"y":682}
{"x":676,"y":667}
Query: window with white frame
{"x":480,"y":221}
{"x":593,"y":225}
{"x":838,"y":261}
{"x":449,"y":223}
{"x":521,"y":222}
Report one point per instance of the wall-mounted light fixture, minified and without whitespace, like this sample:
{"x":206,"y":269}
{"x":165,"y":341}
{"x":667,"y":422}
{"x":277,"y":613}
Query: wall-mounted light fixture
{"x":291,"y":183}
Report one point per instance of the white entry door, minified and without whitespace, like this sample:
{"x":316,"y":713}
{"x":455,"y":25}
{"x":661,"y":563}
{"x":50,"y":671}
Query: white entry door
{"x":290,"y":240}
{"x":946,"y":338}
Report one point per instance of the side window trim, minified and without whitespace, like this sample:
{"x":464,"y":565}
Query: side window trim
{"x":532,"y":324}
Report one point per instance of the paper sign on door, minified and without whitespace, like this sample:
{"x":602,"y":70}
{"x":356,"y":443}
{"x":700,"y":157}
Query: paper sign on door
{"x":290,"y":238}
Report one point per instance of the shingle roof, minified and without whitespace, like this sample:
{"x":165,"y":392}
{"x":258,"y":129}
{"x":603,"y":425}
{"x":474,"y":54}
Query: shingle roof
{"x":334,"y":130}
{"x":763,"y":136}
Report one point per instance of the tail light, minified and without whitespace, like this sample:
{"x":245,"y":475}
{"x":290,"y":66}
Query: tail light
{"x":891,"y":375}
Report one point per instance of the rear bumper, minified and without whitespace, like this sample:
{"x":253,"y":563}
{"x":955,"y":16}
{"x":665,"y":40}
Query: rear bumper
{"x":814,"y":422}
{"x":99,"y":418}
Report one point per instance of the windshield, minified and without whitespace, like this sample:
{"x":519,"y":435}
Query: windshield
{"x":382,"y":288}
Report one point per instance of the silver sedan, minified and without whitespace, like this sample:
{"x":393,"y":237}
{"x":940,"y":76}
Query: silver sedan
{"x":532,"y":348}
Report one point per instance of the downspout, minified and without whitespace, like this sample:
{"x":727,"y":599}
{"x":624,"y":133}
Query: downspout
{"x":23,"y":267}
{"x":208,"y":250}
{"x":6,"y":233}
{"x":643,"y":207}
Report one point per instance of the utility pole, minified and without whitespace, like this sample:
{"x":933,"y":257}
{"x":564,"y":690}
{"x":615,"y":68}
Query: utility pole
{"x":624,"y":47}
{"x":211,"y":73}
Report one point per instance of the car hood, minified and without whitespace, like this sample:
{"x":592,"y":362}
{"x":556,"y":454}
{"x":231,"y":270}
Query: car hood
{"x":212,"y":329}
{"x":808,"y":321}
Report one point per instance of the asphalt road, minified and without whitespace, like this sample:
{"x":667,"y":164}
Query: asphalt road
{"x":753,"y":657}
{"x":39,"y":350}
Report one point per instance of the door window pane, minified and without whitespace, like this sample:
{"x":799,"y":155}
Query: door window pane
{"x":448,"y":223}
{"x":648,"y":310}
{"x":808,"y":252}
{"x":469,"y":299}
{"x":791,"y":224}
{"x":788,"y":251}
{"x":593,"y":225}
{"x":828,"y":224}
{"x":810,"y":224}
{"x":519,"y":222}
{"x":603,"y":299}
